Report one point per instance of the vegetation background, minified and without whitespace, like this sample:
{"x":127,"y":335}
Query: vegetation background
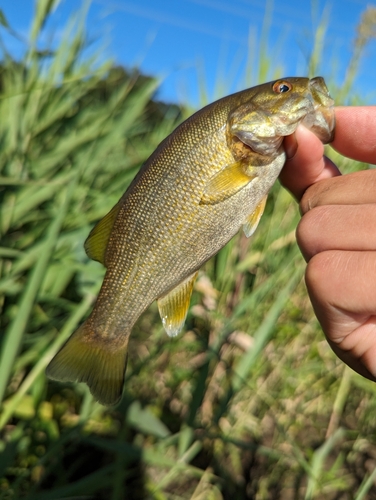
{"x":248,"y":403}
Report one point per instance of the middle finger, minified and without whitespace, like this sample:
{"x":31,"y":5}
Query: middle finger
{"x":337,"y":227}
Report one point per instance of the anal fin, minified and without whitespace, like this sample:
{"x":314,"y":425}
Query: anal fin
{"x":251,"y":223}
{"x":173,"y":307}
{"x":226,"y":183}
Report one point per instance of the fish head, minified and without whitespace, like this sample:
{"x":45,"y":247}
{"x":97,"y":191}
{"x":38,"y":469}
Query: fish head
{"x":265,"y":114}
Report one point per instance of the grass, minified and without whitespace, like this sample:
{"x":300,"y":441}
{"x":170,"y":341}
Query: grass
{"x":249,"y":402}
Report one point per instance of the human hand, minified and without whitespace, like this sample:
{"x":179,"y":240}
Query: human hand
{"x":337,"y":233}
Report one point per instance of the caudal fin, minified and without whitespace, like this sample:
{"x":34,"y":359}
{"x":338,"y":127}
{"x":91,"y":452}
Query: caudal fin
{"x":100,"y":365}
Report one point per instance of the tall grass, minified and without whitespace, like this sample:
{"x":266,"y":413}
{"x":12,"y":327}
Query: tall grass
{"x":248,"y":403}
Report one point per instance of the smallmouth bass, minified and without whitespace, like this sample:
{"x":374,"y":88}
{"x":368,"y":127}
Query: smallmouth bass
{"x":204,"y":182}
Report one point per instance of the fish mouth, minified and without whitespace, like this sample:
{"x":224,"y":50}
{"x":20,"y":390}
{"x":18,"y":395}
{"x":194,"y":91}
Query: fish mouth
{"x":320,"y":92}
{"x":322,"y":120}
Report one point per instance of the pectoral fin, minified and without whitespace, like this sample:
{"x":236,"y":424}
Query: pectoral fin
{"x":251,"y":223}
{"x":173,"y":307}
{"x":97,"y":241}
{"x":226,"y":183}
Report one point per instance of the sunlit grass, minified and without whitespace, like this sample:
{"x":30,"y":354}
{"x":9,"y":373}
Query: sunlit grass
{"x":249,"y":402}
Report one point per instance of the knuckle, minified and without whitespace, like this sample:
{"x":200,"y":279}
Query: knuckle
{"x":311,"y":231}
{"x":310,"y":197}
{"x":320,"y":269}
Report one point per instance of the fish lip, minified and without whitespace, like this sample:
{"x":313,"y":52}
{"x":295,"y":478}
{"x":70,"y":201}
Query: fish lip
{"x":322,"y":120}
{"x":319,"y":93}
{"x":318,"y":83}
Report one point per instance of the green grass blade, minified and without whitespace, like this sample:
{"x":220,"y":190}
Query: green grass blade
{"x":366,"y":486}
{"x":264,"y":332}
{"x":87,"y":485}
{"x":13,"y":337}
{"x":11,"y":404}
{"x":318,"y":462}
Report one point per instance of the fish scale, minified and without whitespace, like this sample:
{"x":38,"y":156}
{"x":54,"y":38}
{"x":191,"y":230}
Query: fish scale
{"x":203,"y":183}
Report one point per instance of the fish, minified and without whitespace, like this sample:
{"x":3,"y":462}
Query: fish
{"x":208,"y":179}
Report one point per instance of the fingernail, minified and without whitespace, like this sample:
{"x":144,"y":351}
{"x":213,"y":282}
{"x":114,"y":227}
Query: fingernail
{"x":290,"y":145}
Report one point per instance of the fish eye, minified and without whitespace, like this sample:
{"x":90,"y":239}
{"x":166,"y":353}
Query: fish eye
{"x":281,"y":87}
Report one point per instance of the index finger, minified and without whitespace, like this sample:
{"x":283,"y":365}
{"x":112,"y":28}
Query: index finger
{"x":355,"y":133}
{"x":354,"y":137}
{"x":306,"y":163}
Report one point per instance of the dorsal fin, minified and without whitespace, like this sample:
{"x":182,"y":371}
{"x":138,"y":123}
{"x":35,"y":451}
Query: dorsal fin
{"x":97,"y":241}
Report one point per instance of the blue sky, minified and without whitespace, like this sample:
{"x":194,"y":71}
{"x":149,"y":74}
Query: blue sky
{"x":188,"y":43}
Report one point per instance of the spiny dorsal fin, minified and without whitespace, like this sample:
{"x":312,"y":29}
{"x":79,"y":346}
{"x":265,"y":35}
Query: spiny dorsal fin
{"x":251,"y":223}
{"x":226,"y":183}
{"x":173,"y":307}
{"x":97,"y":241}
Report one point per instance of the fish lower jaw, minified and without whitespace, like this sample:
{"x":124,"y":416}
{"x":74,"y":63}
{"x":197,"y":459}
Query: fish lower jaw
{"x":265,"y":146}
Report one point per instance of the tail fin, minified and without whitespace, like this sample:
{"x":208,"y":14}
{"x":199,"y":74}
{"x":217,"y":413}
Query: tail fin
{"x":85,"y":359}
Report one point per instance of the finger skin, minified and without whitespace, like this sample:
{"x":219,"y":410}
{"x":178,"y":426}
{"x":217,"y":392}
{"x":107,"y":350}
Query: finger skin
{"x":337,"y":234}
{"x":353,"y":138}
{"x":308,"y":165}
{"x":352,"y":189}
{"x":354,"y":134}
{"x":344,"y":300}
{"x":337,"y":227}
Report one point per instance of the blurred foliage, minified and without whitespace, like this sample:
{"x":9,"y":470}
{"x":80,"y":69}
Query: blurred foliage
{"x":365,"y":32}
{"x":249,"y":403}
